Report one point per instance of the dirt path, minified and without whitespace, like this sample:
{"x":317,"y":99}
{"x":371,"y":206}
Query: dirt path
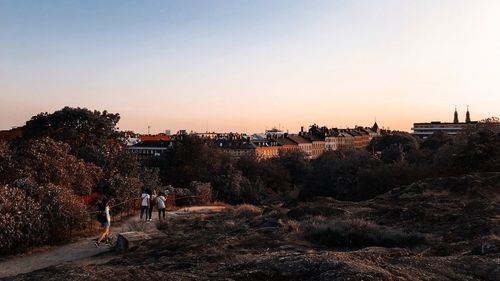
{"x":83,"y":250}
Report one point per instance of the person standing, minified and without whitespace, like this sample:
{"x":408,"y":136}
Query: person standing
{"x":151,"y":205}
{"x":161,"y":206}
{"x":105,"y":219}
{"x":145,"y":203}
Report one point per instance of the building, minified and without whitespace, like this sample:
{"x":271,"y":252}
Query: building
{"x":361,"y":137}
{"x":237,"y":148}
{"x":451,"y":128}
{"x":149,"y":149}
{"x":286,"y":144}
{"x":158,"y":137}
{"x":266,"y":149}
{"x":317,"y":145}
{"x":303,"y":144}
{"x":332,"y":140}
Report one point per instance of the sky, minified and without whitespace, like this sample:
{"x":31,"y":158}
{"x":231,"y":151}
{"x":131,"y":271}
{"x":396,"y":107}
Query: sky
{"x":247,"y":66}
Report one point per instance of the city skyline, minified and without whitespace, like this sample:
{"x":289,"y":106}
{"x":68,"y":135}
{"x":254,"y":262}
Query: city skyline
{"x":246,"y":66}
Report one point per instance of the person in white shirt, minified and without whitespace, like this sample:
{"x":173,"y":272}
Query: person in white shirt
{"x":105,"y":222}
{"x":161,"y":206}
{"x":145,"y":203}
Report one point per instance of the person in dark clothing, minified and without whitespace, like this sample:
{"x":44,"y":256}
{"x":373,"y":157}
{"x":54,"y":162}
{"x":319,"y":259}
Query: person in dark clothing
{"x":152,"y":199}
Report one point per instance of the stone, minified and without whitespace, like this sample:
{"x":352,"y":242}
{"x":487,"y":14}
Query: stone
{"x":129,"y":240}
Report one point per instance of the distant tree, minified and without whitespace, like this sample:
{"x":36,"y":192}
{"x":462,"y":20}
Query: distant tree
{"x":436,"y":141}
{"x":275,"y":176}
{"x":296,"y":163}
{"x":393,"y":154}
{"x":405,"y":140}
{"x":250,"y":167}
{"x":336,"y":174}
{"x":234,"y":188}
{"x":479,"y":150}
{"x":85,"y":131}
{"x":191,"y":159}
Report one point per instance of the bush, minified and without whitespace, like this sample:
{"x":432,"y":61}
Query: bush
{"x":62,"y":211}
{"x":202,"y":191}
{"x":53,"y":211}
{"x":234,"y":188}
{"x":247,"y":211}
{"x":359,"y":234}
{"x":21,"y":222}
{"x":336,"y":174}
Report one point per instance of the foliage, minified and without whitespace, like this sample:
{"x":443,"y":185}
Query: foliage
{"x":49,"y":162}
{"x":336,"y":173}
{"x":191,"y":159}
{"x":21,"y":220}
{"x":247,"y":211}
{"x":406,"y":140}
{"x":234,"y":188}
{"x":85,"y":131}
{"x":7,"y":169}
{"x":202,"y":191}
{"x":356,"y":233}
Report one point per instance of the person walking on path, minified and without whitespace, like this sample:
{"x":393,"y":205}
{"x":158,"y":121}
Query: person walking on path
{"x":161,"y":206}
{"x":145,"y":203}
{"x":104,"y":218}
{"x":152,"y":199}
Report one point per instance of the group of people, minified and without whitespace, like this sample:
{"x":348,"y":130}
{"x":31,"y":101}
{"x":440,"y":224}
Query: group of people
{"x":150,"y":199}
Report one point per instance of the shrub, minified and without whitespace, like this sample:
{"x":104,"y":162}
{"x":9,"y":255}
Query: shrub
{"x":202,"y":191}
{"x":359,"y":234}
{"x":62,"y":211}
{"x":291,"y":226}
{"x":55,"y":207}
{"x":21,"y":223}
{"x":247,"y":211}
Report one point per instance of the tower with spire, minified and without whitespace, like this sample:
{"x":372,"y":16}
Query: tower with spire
{"x":467,"y":116}
{"x":375,"y":127}
{"x":455,"y":118}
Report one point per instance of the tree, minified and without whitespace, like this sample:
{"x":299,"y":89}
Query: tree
{"x":21,"y":223}
{"x":7,"y":168}
{"x":191,"y":159}
{"x":296,"y":163}
{"x":49,"y":162}
{"x":406,"y":140}
{"x":85,"y":131}
{"x":336,"y":174}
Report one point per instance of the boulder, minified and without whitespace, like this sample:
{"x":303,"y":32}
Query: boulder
{"x":129,"y":240}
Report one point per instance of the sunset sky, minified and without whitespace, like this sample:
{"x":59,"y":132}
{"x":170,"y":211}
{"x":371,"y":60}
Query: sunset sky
{"x":250,"y":65}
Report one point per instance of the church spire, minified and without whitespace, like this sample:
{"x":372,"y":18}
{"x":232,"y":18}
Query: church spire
{"x":467,"y":116}
{"x":455,"y":118}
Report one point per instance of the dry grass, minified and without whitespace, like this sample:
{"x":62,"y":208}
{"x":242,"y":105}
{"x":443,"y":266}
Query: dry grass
{"x":291,"y":226}
{"x":247,"y":211}
{"x":358,"y":233}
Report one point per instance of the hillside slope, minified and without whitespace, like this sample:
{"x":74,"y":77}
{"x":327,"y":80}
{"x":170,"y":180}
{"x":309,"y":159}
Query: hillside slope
{"x":456,"y":221}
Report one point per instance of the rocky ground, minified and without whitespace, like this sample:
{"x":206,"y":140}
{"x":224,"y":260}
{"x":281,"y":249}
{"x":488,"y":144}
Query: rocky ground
{"x":439,"y":229}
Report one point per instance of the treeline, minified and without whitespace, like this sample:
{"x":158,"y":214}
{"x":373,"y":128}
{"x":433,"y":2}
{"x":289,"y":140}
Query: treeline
{"x":389,"y":161}
{"x":59,"y":158}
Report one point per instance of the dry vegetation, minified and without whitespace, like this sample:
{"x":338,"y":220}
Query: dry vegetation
{"x":424,"y":231}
